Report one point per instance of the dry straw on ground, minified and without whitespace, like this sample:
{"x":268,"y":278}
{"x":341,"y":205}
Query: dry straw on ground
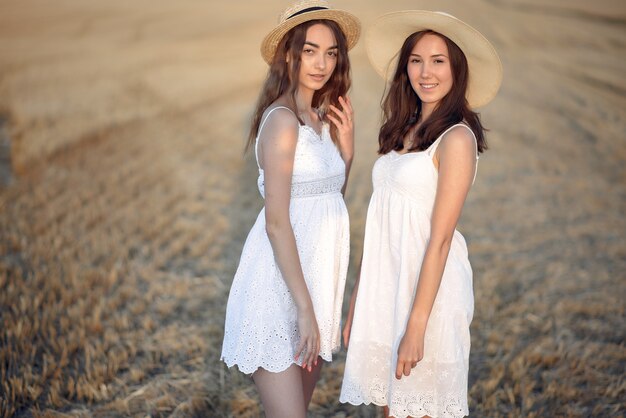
{"x":117,"y":250}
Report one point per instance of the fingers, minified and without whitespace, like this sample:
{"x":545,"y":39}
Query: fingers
{"x":346,"y":105}
{"x":399,"y":369}
{"x":407,"y":368}
{"x":309,"y":348}
{"x":337,"y":122}
{"x":311,"y":355}
{"x":300,"y":348}
{"x":345,"y":114}
{"x":404,"y":367}
{"x":340,"y":117}
{"x":309,"y":345}
{"x":316,"y":352}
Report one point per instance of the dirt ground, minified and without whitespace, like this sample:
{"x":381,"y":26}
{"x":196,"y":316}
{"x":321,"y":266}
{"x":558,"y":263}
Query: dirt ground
{"x":130,"y":199}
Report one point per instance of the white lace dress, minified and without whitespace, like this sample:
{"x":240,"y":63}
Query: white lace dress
{"x":261,"y":327}
{"x":396,"y":235}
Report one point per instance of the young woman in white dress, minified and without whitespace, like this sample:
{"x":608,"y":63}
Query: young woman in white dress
{"x":284,"y":307}
{"x":408,"y":326}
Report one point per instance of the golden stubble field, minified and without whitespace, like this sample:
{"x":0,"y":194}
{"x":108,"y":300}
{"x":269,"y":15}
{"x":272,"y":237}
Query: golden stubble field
{"x":120,"y":234}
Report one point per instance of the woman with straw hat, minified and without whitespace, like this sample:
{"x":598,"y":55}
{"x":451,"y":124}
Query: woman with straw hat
{"x":284,"y":307}
{"x":410,"y":312}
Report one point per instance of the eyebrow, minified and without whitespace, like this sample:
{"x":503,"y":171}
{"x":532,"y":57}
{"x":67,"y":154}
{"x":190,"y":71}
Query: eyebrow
{"x":317,"y":46}
{"x":432,"y":56}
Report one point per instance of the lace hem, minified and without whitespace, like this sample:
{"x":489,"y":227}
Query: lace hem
{"x":404,"y":404}
{"x":311,"y":188}
{"x":250,"y":367}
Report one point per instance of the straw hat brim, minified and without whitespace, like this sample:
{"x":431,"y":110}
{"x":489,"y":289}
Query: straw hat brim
{"x":387,"y":34}
{"x":348,"y":23}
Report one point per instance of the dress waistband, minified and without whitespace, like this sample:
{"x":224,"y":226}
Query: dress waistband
{"x":311,"y":188}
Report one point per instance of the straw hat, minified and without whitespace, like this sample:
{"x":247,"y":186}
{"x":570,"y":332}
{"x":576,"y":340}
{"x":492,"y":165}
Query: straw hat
{"x":303,"y":12}
{"x":387,"y":34}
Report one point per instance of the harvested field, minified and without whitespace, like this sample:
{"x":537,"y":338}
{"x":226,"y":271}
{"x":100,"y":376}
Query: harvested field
{"x":130,"y":200}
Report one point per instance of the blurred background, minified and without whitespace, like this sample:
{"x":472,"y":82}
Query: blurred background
{"x":125,"y":199}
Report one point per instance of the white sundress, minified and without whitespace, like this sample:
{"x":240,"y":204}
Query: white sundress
{"x":261,"y":327}
{"x":396,"y":236}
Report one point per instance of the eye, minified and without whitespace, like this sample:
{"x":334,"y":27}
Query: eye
{"x":439,"y":61}
{"x":415,"y":60}
{"x":333,"y":53}
{"x":307,"y":51}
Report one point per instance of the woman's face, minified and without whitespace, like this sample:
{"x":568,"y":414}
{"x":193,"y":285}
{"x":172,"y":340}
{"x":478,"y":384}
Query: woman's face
{"x":319,"y":57}
{"x":429,"y":70}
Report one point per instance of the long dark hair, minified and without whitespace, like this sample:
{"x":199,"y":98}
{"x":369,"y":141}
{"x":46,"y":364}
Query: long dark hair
{"x":402,"y":106}
{"x":283,"y":78}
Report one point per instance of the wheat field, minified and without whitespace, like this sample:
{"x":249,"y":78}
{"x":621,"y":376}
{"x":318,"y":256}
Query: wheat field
{"x":126,"y":200}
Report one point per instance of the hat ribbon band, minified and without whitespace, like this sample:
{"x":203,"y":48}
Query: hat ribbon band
{"x":310,"y":9}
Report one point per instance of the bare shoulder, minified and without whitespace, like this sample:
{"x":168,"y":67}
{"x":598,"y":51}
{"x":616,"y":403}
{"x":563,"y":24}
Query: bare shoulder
{"x":458,"y":140}
{"x":280,"y":123}
{"x":279,"y":134}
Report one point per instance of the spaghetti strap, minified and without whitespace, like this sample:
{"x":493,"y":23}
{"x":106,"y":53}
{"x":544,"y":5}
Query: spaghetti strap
{"x":267,"y":117}
{"x":256,"y":141}
{"x":433,"y":147}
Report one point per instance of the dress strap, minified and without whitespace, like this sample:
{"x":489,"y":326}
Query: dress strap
{"x":433,"y":147}
{"x":256,"y":141}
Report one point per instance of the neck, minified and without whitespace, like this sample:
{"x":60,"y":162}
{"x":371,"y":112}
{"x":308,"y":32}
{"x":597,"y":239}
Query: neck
{"x":426,"y":111}
{"x":304,"y":100}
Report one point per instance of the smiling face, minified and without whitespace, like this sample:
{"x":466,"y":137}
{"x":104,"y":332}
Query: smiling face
{"x":318,"y":58}
{"x":429,"y":71}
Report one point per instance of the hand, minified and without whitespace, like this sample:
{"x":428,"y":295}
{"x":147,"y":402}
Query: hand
{"x":343,"y":120}
{"x":410,"y":352}
{"x":309,"y":346}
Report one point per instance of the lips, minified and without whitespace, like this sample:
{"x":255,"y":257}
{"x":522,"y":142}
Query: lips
{"x":428,"y":86}
{"x":317,"y":77}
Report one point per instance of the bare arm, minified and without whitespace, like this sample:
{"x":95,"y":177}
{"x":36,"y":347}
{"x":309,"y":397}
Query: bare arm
{"x":457,"y":162}
{"x":277,"y":146}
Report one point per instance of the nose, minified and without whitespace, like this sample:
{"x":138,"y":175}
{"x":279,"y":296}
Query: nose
{"x":425,"y":70}
{"x":320,"y":62}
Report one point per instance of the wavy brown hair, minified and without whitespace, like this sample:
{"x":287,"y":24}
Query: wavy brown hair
{"x":282,"y":77}
{"x":402,"y":106}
